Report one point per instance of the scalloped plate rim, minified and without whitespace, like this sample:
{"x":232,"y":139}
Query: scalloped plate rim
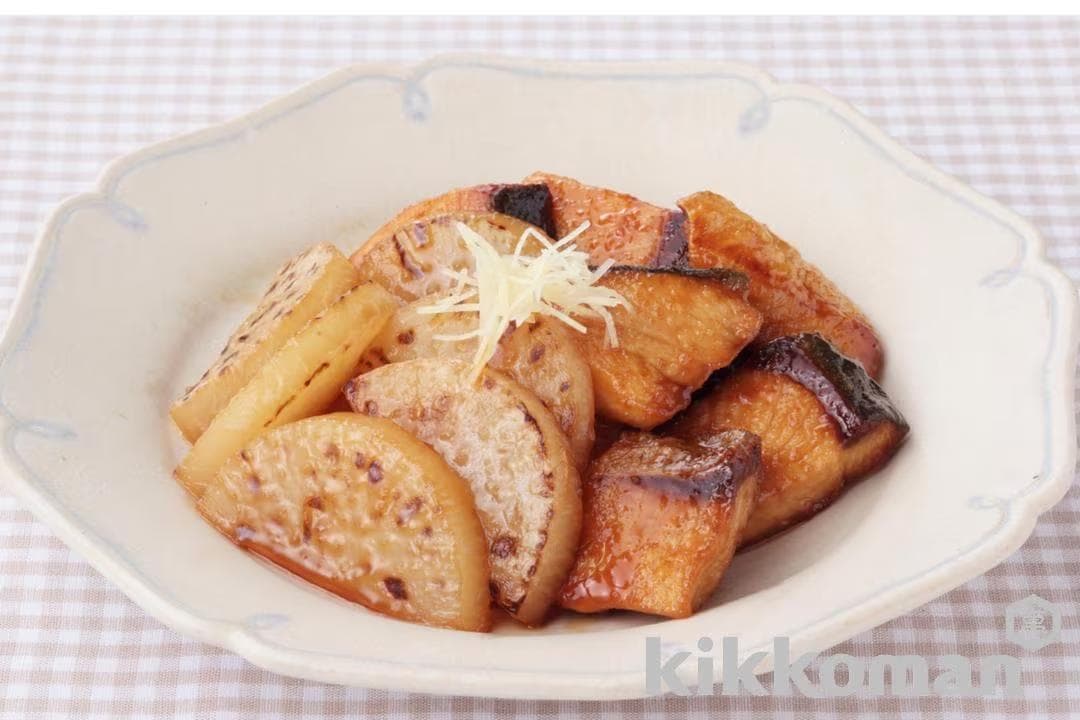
{"x":1009,"y":534}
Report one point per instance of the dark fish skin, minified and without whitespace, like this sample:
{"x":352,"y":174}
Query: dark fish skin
{"x":853,"y":400}
{"x":530,"y":203}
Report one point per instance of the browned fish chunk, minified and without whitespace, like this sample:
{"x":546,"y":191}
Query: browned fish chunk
{"x":680,"y":327}
{"x":792,"y":294}
{"x":662,"y":520}
{"x":822,"y":421}
{"x":711,"y":232}
{"x":622,"y":227}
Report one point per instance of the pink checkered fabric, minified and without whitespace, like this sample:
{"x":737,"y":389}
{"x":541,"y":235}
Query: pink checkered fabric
{"x":994,"y":101}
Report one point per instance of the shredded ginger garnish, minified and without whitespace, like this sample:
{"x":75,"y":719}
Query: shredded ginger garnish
{"x":508,"y":290}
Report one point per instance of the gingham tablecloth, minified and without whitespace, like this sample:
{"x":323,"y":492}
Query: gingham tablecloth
{"x":995,"y":102}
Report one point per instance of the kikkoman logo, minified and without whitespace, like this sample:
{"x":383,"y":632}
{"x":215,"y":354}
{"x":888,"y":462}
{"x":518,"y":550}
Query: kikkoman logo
{"x":1031,"y":623}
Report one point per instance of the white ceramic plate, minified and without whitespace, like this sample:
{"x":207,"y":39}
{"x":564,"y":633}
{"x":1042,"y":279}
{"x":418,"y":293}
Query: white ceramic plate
{"x":133,"y":287}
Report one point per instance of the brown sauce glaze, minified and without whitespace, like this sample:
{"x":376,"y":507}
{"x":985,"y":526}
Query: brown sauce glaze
{"x":851,"y":397}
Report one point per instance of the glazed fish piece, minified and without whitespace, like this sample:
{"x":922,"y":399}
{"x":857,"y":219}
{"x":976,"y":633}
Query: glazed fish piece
{"x":711,"y":232}
{"x":792,"y":294}
{"x":662,"y":519}
{"x":681,"y":326}
{"x":622,"y":227}
{"x":822,"y":420}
